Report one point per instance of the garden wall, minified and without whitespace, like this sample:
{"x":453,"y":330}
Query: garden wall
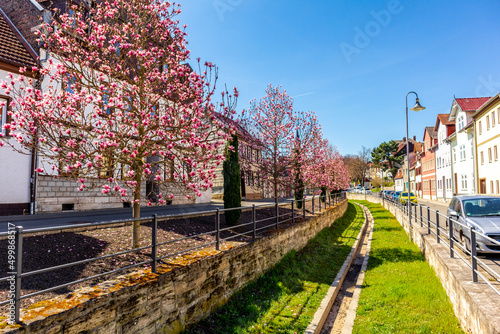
{"x":177,"y":297}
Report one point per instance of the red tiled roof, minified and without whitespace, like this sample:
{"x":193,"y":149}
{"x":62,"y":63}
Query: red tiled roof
{"x":399,"y":174}
{"x":443,"y":119}
{"x":14,"y":50}
{"x":471,"y":103}
{"x":431,"y":132}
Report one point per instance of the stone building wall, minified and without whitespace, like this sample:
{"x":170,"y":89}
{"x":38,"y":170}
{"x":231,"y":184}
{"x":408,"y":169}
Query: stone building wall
{"x":54,"y":194}
{"x":177,"y":298}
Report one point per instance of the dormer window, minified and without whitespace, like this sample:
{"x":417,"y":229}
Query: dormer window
{"x":461,"y":122}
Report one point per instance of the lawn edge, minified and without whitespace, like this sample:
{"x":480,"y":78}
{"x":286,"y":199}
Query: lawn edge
{"x":321,"y":313}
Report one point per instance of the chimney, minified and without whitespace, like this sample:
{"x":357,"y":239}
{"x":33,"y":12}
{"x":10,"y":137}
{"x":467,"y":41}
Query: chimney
{"x":404,"y":138}
{"x":415,"y":138}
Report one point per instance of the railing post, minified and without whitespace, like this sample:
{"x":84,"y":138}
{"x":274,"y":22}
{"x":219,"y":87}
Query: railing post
{"x":154,"y":235}
{"x":217,"y":228}
{"x":254,"y":221}
{"x":304,"y":207}
{"x":437,"y":226}
{"x":428,"y":220}
{"x":450,"y":236}
{"x":330,"y":199}
{"x":473,"y":253}
{"x":312,"y":205}
{"x":409,"y":217}
{"x":293,"y":212}
{"x":277,"y":215}
{"x":421,"y":221}
{"x":19,"y":269}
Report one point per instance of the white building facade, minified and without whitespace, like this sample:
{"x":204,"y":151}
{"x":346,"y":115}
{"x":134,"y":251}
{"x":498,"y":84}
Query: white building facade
{"x":444,"y":129}
{"x":462,"y":144}
{"x":16,"y":169}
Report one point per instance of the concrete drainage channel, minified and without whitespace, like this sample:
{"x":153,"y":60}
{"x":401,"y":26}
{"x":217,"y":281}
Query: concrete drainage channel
{"x":338,"y":309}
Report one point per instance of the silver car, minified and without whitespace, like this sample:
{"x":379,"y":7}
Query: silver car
{"x":482,"y":213}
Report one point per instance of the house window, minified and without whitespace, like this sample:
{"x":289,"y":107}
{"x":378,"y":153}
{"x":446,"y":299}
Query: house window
{"x":455,"y":155}
{"x":495,"y":152}
{"x":498,"y":187}
{"x":433,"y":185}
{"x":492,"y":191}
{"x":493,"y":119}
{"x":480,"y":128}
{"x":464,"y":182}
{"x":489,"y":155}
{"x":482,"y":158}
{"x":487,"y":122}
{"x":462,"y":152}
{"x":3,"y":114}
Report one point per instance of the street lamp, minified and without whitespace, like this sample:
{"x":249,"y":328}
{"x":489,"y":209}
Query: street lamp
{"x":417,"y":107}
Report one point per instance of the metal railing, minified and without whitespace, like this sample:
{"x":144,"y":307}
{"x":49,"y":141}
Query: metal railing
{"x":444,"y":228}
{"x":16,"y":237}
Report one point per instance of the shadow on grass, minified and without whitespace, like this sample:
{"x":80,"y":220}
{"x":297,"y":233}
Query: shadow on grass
{"x":390,"y":254}
{"x":296,"y":276}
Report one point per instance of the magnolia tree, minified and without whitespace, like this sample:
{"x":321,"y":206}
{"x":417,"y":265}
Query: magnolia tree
{"x":328,"y":171}
{"x":118,"y":105}
{"x":269,"y":125}
{"x":308,"y":138}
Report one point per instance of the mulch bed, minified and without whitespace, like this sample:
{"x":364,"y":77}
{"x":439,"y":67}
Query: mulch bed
{"x":43,"y":251}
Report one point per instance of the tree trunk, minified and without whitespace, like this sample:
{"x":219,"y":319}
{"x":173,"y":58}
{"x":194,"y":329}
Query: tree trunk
{"x":136,"y":213}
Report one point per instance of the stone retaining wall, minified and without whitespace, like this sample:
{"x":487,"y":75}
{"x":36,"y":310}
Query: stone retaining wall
{"x":179,"y":296}
{"x":476,"y":305}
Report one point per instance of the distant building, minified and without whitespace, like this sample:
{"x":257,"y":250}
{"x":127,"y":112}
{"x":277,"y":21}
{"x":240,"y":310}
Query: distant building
{"x":428,"y":164}
{"x":398,"y":181}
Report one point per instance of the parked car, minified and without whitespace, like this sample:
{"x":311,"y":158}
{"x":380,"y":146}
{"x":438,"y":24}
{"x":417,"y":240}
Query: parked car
{"x":403,"y":197}
{"x":480,"y":212}
{"x":390,"y":195}
{"x":396,"y":195}
{"x":386,"y":193}
{"x":365,"y":190}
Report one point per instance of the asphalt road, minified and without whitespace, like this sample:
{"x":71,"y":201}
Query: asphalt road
{"x":107,"y":215}
{"x":490,"y":260}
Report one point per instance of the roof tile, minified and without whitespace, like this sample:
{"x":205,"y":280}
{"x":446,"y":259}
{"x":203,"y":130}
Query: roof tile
{"x":471,"y":103}
{"x":12,"y":49}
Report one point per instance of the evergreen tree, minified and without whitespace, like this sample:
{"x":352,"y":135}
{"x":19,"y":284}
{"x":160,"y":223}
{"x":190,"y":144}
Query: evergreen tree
{"x":322,"y":196}
{"x":232,"y":183}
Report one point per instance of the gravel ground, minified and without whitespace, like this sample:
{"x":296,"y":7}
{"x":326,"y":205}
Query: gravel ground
{"x":43,"y":251}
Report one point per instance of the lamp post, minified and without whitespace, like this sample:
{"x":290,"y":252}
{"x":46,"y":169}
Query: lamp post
{"x":417,"y":107}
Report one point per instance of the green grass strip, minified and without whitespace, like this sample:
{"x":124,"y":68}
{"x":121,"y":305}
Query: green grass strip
{"x":286,"y":297}
{"x":401,"y":292}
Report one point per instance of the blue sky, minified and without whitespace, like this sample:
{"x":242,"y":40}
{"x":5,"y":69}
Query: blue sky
{"x":352,"y":62}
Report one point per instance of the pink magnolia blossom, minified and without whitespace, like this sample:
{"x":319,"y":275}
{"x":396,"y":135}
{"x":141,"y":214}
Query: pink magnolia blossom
{"x":118,"y":101}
